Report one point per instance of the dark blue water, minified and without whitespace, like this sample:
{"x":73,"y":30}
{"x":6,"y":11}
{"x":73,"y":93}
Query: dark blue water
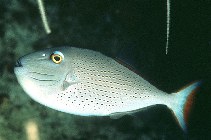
{"x":134,"y":30}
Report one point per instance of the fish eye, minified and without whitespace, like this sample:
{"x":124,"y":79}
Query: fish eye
{"x":57,"y":57}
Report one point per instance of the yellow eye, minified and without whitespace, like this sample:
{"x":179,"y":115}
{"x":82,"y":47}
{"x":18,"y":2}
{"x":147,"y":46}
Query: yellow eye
{"x":57,"y":57}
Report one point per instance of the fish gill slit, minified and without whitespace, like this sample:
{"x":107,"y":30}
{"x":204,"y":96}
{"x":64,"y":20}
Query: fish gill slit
{"x":49,"y":85}
{"x":42,"y":79}
{"x":41,"y":73}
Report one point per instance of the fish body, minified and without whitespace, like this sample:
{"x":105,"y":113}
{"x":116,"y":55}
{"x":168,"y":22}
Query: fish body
{"x":88,"y":83}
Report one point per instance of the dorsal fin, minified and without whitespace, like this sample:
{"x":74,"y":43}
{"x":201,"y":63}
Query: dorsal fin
{"x":127,"y":65}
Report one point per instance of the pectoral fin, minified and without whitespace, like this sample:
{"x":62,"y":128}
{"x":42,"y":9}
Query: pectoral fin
{"x":70,"y":80}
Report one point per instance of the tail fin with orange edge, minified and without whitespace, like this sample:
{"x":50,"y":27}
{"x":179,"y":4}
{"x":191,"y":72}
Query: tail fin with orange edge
{"x":182,"y":102}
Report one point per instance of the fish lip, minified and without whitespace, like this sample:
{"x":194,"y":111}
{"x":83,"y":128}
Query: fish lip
{"x":18,"y":63}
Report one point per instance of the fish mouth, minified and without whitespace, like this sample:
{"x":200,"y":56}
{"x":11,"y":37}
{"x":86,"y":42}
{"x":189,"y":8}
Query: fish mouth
{"x":18,"y":63}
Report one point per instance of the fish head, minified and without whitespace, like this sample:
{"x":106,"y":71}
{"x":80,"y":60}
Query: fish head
{"x":42,"y":74}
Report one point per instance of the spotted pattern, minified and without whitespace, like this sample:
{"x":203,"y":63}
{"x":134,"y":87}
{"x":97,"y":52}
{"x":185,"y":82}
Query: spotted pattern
{"x":105,"y":85}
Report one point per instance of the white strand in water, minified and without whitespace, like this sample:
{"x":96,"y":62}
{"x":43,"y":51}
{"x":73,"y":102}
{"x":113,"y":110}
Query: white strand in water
{"x":168,"y":25}
{"x":43,"y":16}
{"x":48,"y":30}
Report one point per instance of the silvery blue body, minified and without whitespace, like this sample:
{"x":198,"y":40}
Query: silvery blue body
{"x":89,"y":83}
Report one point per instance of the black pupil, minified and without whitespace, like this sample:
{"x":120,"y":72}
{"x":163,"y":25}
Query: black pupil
{"x":57,"y":58}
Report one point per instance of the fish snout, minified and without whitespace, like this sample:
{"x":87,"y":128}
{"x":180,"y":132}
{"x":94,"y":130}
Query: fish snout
{"x":18,"y":63}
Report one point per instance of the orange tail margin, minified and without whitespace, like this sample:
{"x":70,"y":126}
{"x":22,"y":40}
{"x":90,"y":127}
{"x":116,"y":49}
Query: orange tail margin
{"x":182,"y":103}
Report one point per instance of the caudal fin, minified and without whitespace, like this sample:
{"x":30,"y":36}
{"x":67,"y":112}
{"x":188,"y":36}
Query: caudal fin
{"x":181,"y":103}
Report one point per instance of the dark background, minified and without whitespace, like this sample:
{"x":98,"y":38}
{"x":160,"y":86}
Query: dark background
{"x":134,"y":31}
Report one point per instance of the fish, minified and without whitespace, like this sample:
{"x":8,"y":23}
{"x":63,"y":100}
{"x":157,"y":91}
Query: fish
{"x":88,"y":83}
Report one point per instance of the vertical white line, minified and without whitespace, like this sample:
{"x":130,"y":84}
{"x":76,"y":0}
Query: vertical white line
{"x":167,"y":25}
{"x":43,"y":16}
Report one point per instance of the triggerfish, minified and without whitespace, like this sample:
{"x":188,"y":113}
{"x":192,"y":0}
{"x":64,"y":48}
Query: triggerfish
{"x":88,"y":83}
